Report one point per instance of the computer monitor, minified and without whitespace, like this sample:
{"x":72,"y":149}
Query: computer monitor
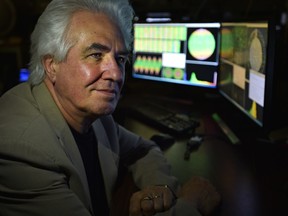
{"x":184,"y":54}
{"x":24,"y":74}
{"x":246,"y":77}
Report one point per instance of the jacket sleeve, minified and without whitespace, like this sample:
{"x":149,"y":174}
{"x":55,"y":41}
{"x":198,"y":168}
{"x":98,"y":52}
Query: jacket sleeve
{"x":152,"y":168}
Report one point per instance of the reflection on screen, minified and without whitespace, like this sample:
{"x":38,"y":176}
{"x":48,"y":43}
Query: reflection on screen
{"x":182,"y":53}
{"x":242,"y":66}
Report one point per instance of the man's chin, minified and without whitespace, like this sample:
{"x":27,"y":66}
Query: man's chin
{"x":108,"y":110}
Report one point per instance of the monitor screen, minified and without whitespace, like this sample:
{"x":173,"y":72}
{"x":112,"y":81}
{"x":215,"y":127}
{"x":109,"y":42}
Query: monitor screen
{"x":246,"y":72}
{"x":24,"y":75}
{"x":180,"y":53}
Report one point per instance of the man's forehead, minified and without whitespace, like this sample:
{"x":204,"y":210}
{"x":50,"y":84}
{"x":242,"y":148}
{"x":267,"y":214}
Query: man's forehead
{"x":86,"y":19}
{"x":95,"y":28}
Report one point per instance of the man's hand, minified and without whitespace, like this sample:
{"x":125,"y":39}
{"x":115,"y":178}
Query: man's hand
{"x":201,"y":194}
{"x":151,"y":200}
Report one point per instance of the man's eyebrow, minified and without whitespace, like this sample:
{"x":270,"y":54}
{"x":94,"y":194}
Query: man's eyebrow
{"x":104,"y":48}
{"x":97,"y":46}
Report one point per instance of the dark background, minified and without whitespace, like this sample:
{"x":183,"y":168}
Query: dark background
{"x":18,"y":17}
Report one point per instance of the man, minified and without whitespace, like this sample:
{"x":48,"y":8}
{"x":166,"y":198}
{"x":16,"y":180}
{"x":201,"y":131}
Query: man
{"x":60,"y":149}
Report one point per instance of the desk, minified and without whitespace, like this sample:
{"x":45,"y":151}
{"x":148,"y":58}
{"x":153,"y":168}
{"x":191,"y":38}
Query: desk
{"x":252,"y":177}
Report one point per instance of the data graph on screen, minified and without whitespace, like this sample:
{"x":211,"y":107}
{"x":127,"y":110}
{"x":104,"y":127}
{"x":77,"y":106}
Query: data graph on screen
{"x":181,"y":53}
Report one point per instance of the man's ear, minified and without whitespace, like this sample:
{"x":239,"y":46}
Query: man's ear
{"x":50,"y":66}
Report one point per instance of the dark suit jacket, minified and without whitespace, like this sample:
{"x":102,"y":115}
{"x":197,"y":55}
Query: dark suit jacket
{"x":41,"y":170}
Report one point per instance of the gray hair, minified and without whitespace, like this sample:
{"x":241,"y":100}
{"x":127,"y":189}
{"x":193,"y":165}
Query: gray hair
{"x":50,"y":34}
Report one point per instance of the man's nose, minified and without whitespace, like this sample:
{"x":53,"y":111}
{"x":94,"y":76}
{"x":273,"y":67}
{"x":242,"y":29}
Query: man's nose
{"x":113,"y":70}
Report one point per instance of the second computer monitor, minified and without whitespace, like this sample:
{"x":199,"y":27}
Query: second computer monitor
{"x":247,"y":70}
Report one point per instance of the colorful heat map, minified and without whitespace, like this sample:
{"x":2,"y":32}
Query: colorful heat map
{"x":201,"y":44}
{"x":158,"y":39}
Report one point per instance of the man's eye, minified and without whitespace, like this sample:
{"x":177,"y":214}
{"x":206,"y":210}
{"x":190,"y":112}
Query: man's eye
{"x":96,"y":55}
{"x":122,"y":59}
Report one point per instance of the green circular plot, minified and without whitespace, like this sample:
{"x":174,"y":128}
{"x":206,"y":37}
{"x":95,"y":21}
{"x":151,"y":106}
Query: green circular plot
{"x":167,"y":72}
{"x":178,"y":74}
{"x":201,"y":44}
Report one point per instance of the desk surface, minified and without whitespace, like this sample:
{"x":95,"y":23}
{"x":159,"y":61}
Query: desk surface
{"x":252,"y":177}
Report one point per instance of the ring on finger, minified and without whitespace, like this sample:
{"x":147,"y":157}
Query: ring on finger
{"x":147,"y":198}
{"x":151,"y":197}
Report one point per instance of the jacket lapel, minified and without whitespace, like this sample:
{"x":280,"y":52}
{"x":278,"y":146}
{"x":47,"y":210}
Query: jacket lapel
{"x":50,"y":110}
{"x":108,"y":159}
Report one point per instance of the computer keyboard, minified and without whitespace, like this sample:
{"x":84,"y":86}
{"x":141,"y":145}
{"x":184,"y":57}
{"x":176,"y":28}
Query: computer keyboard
{"x":166,"y":120}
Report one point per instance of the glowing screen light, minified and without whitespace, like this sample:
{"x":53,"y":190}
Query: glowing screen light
{"x":171,"y":52}
{"x":201,"y":44}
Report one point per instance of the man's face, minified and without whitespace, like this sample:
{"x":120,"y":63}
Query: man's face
{"x":88,"y":83}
